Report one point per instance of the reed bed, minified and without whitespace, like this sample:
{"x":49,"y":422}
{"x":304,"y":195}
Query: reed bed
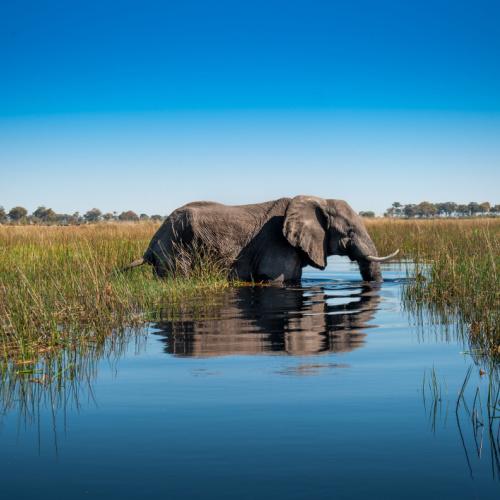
{"x":455,"y":273}
{"x":59,"y":286}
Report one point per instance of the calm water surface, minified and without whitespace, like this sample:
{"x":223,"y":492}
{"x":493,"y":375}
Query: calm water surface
{"x":309,"y":392}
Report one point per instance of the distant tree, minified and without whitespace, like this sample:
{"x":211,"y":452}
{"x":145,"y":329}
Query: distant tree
{"x":449,"y":208}
{"x":42,"y":214}
{"x":63,"y":219}
{"x":17,"y":213}
{"x":462,"y":210}
{"x":445,"y":209}
{"x":50,"y":215}
{"x":410,"y":210}
{"x":495,"y":210}
{"x":128,"y":216}
{"x":426,"y":209}
{"x":368,"y":214}
{"x":3,"y":215}
{"x":39,"y":213}
{"x":76,"y":218}
{"x":156,"y":217}
{"x":93,"y":215}
{"x":440,"y":210}
{"x":397,"y":208}
{"x":473,"y":208}
{"x":484,"y":207}
{"x":108,"y":216}
{"x":144,"y":217}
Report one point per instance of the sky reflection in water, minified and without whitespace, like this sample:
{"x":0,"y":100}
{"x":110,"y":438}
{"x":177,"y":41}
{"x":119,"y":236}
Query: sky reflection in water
{"x":308,"y":392}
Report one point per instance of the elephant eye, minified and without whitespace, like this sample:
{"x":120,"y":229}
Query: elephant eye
{"x":350,"y":233}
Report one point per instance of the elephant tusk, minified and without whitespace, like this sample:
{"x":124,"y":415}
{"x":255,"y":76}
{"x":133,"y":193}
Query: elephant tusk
{"x":373,"y":258}
{"x":136,"y":263}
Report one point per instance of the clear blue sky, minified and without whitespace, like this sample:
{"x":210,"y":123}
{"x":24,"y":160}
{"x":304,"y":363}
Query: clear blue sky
{"x":148,"y":105}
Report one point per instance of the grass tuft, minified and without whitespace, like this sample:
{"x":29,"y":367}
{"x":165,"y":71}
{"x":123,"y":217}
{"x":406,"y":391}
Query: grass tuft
{"x":59,"y":285}
{"x":455,"y":273}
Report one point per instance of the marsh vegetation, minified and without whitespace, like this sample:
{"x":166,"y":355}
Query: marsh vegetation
{"x":454,"y":276}
{"x":308,"y":358}
{"x":59,"y":286}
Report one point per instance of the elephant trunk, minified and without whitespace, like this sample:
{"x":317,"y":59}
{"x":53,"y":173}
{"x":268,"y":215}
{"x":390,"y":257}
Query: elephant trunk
{"x":366,"y":255}
{"x":370,"y":271}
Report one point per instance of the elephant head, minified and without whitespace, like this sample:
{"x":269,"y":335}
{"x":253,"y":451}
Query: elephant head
{"x":320,"y":228}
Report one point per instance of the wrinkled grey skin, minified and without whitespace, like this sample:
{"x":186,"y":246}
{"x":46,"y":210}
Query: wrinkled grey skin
{"x":269,"y":241}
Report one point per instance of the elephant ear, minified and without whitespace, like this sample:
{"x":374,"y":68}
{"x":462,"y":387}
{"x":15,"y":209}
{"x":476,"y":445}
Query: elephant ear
{"x":305,"y":225}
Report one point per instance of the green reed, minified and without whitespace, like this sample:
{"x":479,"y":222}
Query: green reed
{"x":59,"y":286}
{"x":476,"y":404}
{"x":455,"y":273}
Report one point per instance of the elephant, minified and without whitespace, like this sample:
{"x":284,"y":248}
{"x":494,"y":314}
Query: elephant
{"x":266,"y":242}
{"x":297,"y":321}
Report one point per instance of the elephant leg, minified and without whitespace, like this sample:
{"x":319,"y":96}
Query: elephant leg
{"x":280,"y":267}
{"x":159,"y":268}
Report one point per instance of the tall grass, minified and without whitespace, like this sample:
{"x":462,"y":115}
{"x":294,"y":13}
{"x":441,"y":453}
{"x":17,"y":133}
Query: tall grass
{"x":59,"y":285}
{"x":455,"y":273}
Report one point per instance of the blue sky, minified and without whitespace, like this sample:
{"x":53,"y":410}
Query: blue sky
{"x":149,"y":105}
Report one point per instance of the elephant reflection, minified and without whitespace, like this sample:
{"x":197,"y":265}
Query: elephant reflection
{"x":256,"y":320}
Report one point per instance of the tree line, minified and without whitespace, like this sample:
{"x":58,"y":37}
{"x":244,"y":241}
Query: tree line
{"x":423,"y":210}
{"x":43,"y":215}
{"x":426,"y":209}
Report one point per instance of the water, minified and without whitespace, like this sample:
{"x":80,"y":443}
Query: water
{"x":309,"y":392}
